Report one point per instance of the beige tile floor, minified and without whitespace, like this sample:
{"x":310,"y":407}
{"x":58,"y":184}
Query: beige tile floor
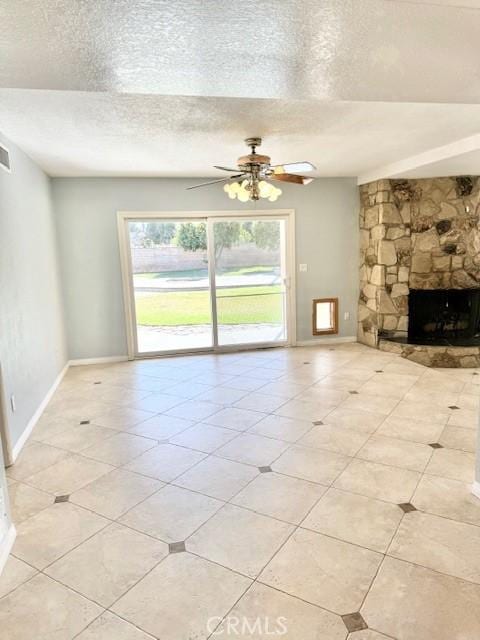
{"x":249,"y":495}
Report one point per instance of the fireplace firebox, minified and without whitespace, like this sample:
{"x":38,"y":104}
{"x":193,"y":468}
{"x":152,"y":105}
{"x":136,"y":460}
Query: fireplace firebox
{"x":444,"y":317}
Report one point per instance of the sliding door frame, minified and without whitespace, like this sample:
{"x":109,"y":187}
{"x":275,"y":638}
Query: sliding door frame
{"x":124,"y":217}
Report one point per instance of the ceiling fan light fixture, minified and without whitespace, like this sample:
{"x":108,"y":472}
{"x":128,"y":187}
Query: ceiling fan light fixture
{"x":231,"y":189}
{"x":255,"y":173}
{"x":243,"y":196}
{"x":246,"y":190}
{"x":264,"y":189}
{"x":274,"y":194}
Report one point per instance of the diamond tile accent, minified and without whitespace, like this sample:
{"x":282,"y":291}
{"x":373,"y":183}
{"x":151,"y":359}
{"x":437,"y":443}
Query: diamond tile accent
{"x":407,"y":507}
{"x":354,"y":622}
{"x":247,"y":490}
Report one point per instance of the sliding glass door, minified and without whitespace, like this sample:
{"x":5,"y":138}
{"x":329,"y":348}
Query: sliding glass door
{"x":171,"y":289}
{"x":250,"y":281}
{"x":206,"y":283}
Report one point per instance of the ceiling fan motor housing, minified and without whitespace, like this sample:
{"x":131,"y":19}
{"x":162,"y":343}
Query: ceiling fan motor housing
{"x":254,"y":160}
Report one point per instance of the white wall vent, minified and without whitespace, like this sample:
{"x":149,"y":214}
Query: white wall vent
{"x":4,"y":158}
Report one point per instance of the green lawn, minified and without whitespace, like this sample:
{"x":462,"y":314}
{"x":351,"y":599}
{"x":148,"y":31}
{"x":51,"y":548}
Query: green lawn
{"x":193,"y":307}
{"x":203,"y":273}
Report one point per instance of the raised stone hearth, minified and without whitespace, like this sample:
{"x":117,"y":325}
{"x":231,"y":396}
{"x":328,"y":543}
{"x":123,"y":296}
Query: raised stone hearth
{"x":433,"y":356}
{"x":416,"y":234}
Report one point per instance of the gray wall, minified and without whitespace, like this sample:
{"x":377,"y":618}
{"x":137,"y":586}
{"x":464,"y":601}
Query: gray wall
{"x":32,"y":337}
{"x":5,"y":520}
{"x":326,"y":239}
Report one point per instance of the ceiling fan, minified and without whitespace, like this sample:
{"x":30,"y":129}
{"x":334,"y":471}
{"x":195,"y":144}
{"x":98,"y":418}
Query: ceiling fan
{"x":250,"y":180}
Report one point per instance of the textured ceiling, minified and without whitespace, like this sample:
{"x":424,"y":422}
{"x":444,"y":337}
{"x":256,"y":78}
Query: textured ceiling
{"x":323,"y":49}
{"x":162,"y":87}
{"x":75,"y":133}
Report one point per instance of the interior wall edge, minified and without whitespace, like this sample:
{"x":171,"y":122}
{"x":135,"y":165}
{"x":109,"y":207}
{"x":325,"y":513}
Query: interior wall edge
{"x":33,"y":346}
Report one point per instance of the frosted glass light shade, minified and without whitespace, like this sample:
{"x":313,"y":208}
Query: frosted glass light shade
{"x":239,"y":190}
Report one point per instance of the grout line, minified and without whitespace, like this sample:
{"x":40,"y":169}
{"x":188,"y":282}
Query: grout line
{"x":147,"y":635}
{"x":385,"y":554}
{"x":290,"y":444}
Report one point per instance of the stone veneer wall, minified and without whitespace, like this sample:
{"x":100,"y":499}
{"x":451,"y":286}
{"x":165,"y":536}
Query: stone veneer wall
{"x":414,"y":234}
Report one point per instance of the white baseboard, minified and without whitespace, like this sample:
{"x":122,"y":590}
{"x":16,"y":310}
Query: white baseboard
{"x":16,"y":449}
{"x":6,"y":546}
{"x":476,"y":489}
{"x":105,"y":360}
{"x":36,"y":416}
{"x":326,"y":340}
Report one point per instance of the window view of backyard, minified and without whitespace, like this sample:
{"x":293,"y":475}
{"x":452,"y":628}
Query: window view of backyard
{"x":172,"y":288}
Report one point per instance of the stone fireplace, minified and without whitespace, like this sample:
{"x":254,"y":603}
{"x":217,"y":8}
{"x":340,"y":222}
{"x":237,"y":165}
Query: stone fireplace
{"x":420,"y":253}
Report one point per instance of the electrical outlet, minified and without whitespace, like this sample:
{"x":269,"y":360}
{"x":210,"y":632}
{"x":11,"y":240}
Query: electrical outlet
{"x":13,"y":403}
{"x":302,"y":267}
{"x":346,"y":315}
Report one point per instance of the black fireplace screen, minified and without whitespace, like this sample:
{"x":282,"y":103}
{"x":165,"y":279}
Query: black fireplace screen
{"x":447,"y":316}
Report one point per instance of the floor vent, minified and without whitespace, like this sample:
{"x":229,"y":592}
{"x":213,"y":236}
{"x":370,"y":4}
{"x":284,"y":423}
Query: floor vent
{"x":4,"y":158}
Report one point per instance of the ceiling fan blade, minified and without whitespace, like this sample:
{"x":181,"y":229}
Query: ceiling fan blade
{"x":225,"y":169}
{"x":205,"y":184}
{"x":290,"y":177}
{"x":293,"y":167}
